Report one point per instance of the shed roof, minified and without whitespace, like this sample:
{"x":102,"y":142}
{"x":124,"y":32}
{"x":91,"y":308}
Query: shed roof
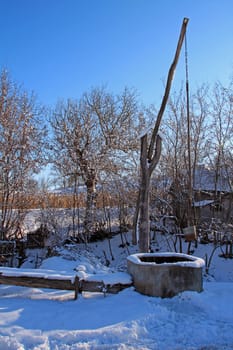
{"x":206,"y":179}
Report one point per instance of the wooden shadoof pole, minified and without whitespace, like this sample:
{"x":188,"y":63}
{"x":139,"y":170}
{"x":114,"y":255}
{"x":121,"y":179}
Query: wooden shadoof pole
{"x":168,"y":87}
{"x":150,"y":158}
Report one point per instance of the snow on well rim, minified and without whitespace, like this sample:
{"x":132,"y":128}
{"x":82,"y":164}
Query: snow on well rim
{"x":193,"y":261}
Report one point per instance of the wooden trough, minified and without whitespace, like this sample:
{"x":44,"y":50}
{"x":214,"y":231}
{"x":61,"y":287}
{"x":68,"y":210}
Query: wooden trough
{"x":53,"y":280}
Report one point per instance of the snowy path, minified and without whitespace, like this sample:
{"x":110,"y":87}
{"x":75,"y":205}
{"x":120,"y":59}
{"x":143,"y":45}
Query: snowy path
{"x":41,"y":320}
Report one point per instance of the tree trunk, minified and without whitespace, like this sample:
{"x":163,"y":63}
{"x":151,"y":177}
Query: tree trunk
{"x":147,"y":169}
{"x":90,"y":206}
{"x":144,"y":229}
{"x":135,"y":220}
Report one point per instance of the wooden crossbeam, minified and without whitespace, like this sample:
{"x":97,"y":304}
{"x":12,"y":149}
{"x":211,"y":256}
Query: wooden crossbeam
{"x":9,"y":277}
{"x":42,"y":282}
{"x":100,"y":286}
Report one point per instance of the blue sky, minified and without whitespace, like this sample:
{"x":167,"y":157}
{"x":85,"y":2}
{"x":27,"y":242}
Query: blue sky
{"x":62,"y":48}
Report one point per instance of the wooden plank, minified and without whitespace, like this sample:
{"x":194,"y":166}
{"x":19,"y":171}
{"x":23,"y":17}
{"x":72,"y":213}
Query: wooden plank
{"x":117,"y":287}
{"x":100,"y":286}
{"x":53,"y":282}
{"x":41,"y":282}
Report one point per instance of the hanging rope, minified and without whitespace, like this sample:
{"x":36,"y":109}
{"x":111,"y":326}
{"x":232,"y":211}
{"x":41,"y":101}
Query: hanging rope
{"x":186,"y":61}
{"x":188,"y":132}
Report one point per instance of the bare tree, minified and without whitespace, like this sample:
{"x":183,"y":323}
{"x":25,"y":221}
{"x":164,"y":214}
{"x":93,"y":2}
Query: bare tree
{"x":21,"y":151}
{"x":220,"y":157}
{"x":90,"y":138}
{"x":175,"y":156}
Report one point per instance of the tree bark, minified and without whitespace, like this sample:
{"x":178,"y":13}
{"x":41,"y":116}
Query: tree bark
{"x":135,"y":220}
{"x":146,"y":172}
{"x":144,"y":241}
{"x":90,"y":205}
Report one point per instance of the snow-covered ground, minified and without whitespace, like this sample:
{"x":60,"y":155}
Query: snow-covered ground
{"x":42,"y":319}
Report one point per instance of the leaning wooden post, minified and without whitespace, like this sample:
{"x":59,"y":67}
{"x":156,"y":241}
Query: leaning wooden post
{"x":168,"y":87}
{"x":149,"y":160}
